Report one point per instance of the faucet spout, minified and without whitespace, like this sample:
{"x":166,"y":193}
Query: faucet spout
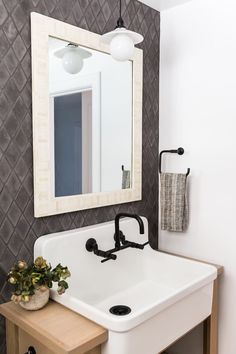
{"x":117,"y":226}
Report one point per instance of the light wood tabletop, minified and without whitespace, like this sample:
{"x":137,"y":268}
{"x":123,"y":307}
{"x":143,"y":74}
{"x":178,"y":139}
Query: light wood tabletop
{"x":57,"y":327}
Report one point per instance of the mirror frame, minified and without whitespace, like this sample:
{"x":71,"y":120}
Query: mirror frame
{"x":43,"y":27}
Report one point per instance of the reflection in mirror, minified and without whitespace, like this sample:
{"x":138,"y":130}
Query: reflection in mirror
{"x":72,"y":137}
{"x":91,"y":103}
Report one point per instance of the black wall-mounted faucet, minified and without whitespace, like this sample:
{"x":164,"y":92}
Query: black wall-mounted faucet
{"x":120,"y":242}
{"x":117,"y":226}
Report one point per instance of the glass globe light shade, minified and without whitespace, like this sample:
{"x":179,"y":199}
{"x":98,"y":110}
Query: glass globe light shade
{"x":122,"y":47}
{"x":72,"y":61}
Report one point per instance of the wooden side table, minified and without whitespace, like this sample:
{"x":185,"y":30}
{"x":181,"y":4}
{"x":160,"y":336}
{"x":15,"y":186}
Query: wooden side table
{"x":52,"y":330}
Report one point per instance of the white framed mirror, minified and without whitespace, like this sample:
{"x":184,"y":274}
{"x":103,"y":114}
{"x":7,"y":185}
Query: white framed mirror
{"x":87,"y":120}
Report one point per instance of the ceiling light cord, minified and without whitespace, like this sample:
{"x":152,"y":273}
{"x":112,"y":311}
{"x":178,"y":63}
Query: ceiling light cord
{"x":120,"y":22}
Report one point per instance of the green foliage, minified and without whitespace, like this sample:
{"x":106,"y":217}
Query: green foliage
{"x":37,"y":276}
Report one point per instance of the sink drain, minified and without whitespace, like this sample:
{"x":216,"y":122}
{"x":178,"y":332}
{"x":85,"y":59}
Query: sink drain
{"x":120,"y":310}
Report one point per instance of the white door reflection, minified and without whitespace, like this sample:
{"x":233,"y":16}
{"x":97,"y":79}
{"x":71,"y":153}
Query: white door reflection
{"x":72,"y":143}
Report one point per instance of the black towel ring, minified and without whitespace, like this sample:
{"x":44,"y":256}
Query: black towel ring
{"x":179,"y":151}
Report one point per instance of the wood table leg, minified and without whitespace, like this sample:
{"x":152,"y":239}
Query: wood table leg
{"x":96,"y":350}
{"x":210,"y":325}
{"x":12,"y":338}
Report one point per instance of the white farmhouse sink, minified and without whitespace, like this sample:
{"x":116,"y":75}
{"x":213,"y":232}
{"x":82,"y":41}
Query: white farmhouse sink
{"x":167,"y":295}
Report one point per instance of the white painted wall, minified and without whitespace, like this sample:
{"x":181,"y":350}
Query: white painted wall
{"x":161,"y":5}
{"x":198,"y":112}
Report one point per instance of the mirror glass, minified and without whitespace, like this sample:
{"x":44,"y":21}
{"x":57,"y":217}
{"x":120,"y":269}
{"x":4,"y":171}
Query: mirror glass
{"x":91,"y":109}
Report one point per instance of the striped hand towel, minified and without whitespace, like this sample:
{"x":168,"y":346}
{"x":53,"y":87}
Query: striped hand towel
{"x":173,"y":200}
{"x":125,"y":179}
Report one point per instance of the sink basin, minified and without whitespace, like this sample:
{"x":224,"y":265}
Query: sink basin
{"x":167,"y":295}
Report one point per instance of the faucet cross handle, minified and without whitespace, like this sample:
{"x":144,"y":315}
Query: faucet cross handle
{"x":111,"y":256}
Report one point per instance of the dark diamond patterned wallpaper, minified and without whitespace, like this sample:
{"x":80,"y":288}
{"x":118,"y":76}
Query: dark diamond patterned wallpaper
{"x":18,"y":227}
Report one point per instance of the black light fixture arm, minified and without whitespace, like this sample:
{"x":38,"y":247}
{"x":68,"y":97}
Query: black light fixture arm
{"x":179,"y":151}
{"x":120,"y":21}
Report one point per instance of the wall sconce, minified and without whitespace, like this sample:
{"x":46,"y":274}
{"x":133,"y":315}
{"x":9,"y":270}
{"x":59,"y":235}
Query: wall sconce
{"x":122,"y":41}
{"x":72,"y":57}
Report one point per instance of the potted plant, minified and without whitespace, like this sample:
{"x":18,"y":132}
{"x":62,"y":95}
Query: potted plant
{"x":32,"y":282}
